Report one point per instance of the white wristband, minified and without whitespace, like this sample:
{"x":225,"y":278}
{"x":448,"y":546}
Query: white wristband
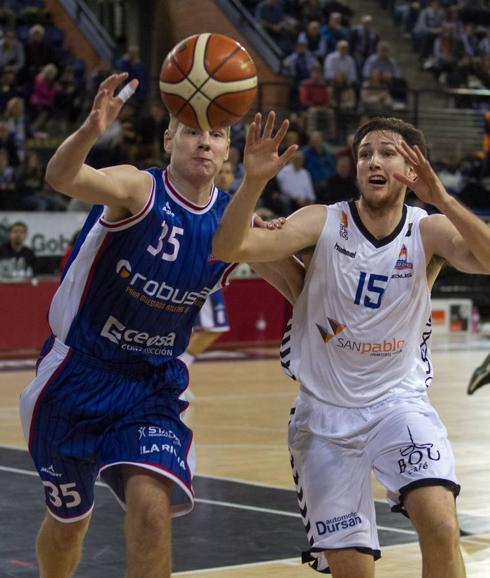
{"x":126,"y":93}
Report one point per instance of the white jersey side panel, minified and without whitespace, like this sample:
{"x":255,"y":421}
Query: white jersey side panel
{"x":361,"y":326}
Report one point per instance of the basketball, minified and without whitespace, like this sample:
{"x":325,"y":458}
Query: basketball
{"x":208,"y":81}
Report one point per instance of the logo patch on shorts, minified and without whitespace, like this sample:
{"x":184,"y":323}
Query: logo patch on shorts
{"x":338,"y":523}
{"x":415,"y":456}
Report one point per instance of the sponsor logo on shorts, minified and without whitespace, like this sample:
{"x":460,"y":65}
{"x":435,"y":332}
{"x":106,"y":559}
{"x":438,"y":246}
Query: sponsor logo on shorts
{"x":158,"y":448}
{"x":416,"y":456}
{"x":338,"y":523}
{"x":131,"y":339}
{"x":158,"y":432}
{"x":50,"y":470}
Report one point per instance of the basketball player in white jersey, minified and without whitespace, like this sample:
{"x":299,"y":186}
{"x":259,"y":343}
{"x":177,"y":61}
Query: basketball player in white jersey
{"x":105,"y":398}
{"x":359,"y":346}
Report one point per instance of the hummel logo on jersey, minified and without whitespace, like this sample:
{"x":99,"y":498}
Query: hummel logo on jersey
{"x":334,"y":329}
{"x":168,"y":210}
{"x":344,"y":251}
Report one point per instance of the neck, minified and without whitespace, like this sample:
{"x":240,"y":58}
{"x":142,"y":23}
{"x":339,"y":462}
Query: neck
{"x":380,"y":221}
{"x":193,"y":190}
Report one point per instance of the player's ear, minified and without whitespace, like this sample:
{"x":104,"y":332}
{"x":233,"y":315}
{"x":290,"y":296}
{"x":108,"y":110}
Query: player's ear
{"x":167,"y":141}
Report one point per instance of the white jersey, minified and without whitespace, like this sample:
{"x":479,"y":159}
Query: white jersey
{"x":361,"y":327}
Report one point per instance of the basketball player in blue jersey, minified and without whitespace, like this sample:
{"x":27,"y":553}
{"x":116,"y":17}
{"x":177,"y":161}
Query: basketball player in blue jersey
{"x":359,"y":346}
{"x":105,"y":399}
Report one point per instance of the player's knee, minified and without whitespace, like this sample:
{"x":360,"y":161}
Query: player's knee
{"x":67,"y":535}
{"x":441,"y":532}
{"x":151,"y":520}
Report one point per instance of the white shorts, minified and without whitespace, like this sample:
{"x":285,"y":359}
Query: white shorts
{"x":213,"y":316}
{"x":333,"y":452}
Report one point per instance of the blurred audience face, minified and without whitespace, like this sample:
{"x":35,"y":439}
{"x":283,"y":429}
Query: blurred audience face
{"x":298,"y":160}
{"x":335,"y":20}
{"x":18,"y":235}
{"x":15,"y":107}
{"x":343,"y":47}
{"x":225,"y":177}
{"x":4,"y":160}
{"x":316,"y":139}
{"x":313,"y":29}
{"x":344,"y":165}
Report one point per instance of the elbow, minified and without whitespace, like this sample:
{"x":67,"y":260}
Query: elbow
{"x":53,"y":178}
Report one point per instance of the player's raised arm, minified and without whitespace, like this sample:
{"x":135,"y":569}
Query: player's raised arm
{"x":123,"y":186}
{"x":234,"y":240}
{"x":457,"y":235}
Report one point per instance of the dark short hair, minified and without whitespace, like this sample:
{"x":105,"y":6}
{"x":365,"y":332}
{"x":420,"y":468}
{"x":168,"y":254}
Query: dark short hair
{"x":18,"y":224}
{"x":410,"y":134}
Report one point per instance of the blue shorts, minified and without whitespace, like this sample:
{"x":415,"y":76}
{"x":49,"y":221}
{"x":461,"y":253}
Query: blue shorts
{"x":213,"y":316}
{"x":82,"y":417}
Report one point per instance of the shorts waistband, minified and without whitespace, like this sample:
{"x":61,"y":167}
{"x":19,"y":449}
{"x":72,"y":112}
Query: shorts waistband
{"x":135,"y":368}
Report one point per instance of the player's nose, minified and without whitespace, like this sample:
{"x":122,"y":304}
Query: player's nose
{"x":204,"y":138}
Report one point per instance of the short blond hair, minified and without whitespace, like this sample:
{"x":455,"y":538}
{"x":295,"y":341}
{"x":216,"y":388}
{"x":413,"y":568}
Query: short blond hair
{"x":174,"y":123}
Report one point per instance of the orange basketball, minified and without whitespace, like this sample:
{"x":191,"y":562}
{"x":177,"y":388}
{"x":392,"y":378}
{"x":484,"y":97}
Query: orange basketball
{"x":208,"y":81}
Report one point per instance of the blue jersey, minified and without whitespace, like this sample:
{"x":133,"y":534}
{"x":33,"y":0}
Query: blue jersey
{"x":132,"y":289}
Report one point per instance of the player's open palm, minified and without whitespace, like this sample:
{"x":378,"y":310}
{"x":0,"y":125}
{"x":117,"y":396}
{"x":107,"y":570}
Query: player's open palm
{"x":262,"y":159}
{"x":106,"y":106}
{"x":424,"y":182}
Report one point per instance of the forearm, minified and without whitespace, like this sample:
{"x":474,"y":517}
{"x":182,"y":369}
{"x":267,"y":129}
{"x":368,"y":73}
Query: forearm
{"x":475,"y":232}
{"x":235,"y":225}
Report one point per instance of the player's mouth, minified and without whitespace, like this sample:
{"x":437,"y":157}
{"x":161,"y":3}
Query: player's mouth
{"x":377,"y":180}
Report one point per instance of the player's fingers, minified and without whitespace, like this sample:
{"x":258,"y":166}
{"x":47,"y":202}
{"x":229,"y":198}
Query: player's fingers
{"x":269,"y":125}
{"x":409,"y":152}
{"x":112,"y":81}
{"x":250,"y":140}
{"x":404,"y":179}
{"x":287,"y":155}
{"x":99,"y":99}
{"x":128,"y":90}
{"x":281,"y":133}
{"x":258,"y":126}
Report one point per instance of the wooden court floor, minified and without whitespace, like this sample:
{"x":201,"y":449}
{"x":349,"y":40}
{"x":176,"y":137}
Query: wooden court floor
{"x":240,"y":416}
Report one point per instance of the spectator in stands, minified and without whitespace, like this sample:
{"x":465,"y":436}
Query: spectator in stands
{"x":298,"y":66}
{"x":7,"y":143}
{"x":18,"y":124}
{"x":341,"y":186}
{"x":341,"y":73}
{"x":235,"y":159}
{"x":447,"y":53}
{"x":150,"y":130}
{"x":270,"y":15}
{"x":69,"y":97}
{"x":334,"y":31}
{"x":390,"y":72}
{"x":311,"y":10}
{"x":295,"y":182}
{"x":319,"y":162}
{"x":484,"y":45}
{"x":405,"y":14}
{"x":131,"y":63}
{"x":8,"y":87}
{"x":12,"y":52}
{"x":363,"y":41}
{"x":41,"y":102}
{"x":331,"y":6}
{"x":314,"y":98}
{"x":7,"y":183}
{"x":17,"y":260}
{"x":427,"y":27}
{"x":315,"y":41}
{"x":375,"y":94}
{"x":30,"y":183}
{"x":38,"y":54}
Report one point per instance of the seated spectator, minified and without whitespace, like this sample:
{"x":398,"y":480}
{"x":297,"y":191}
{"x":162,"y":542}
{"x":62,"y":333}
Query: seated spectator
{"x":131,"y":63}
{"x":272,"y":202}
{"x":311,"y":10}
{"x":447,"y":53}
{"x":295,"y":182}
{"x":12,"y":52}
{"x":69,"y":97}
{"x":8,"y":87}
{"x":334,"y":31}
{"x":427,"y":27}
{"x":484,"y":45}
{"x":8,"y":143}
{"x":18,"y":125}
{"x":270,"y":15}
{"x":43,"y":97}
{"x":316,"y":43}
{"x":341,"y":73}
{"x":331,"y":6}
{"x":8,"y":199}
{"x":16,"y":260}
{"x":150,"y":130}
{"x":390,"y":72}
{"x":341,"y":186}
{"x":375,"y":94}
{"x":30,"y":183}
{"x":314,"y":98}
{"x":298,"y":66}
{"x":363,"y":41}
{"x":319,"y":162}
{"x":38,"y":54}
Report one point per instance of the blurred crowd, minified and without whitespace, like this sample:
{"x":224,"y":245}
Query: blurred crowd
{"x":335,"y":60}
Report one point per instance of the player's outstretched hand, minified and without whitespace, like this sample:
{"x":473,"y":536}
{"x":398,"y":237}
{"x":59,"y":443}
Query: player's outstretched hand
{"x":277,"y":223}
{"x":107,"y":106}
{"x":262,"y":160}
{"x":424,"y":183}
